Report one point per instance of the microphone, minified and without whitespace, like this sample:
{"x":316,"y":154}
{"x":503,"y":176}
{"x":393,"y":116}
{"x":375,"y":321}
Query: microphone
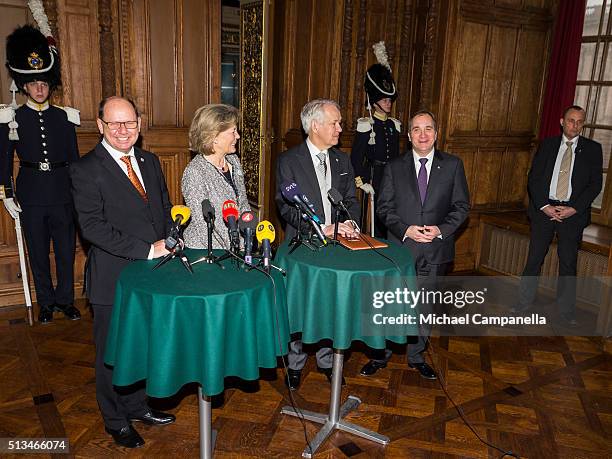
{"x":180,"y":215}
{"x":248,"y":226}
{"x":208,"y":211}
{"x":265,"y":235}
{"x":230,"y":217}
{"x":292,"y":193}
{"x":336,"y":199}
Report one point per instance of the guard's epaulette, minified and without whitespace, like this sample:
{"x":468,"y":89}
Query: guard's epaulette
{"x":7,"y":113}
{"x":364,"y":125}
{"x":398,"y":124}
{"x":74,"y":115}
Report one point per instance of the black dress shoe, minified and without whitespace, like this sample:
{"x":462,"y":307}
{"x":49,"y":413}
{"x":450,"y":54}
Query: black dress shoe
{"x":126,"y":437}
{"x":328,"y":373}
{"x":70,"y":312}
{"x":372,"y":367}
{"x":425,"y":370}
{"x":45,"y":316}
{"x":154,"y":418}
{"x":293,"y":378}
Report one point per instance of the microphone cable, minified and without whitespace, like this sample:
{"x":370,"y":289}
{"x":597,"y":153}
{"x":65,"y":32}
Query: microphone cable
{"x":442,"y":383}
{"x":292,"y":400}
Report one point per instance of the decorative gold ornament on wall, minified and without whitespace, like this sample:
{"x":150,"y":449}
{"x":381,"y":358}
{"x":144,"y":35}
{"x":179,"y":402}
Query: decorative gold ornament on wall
{"x":251,"y":144}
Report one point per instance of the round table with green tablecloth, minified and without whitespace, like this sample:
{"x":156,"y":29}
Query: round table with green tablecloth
{"x":170,"y":327}
{"x":329,"y":296}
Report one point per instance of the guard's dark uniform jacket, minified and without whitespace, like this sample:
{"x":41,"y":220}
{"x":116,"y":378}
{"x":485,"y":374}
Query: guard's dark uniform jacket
{"x":44,"y":136}
{"x":366,"y":157}
{"x":369,"y":160}
{"x":47,"y":144}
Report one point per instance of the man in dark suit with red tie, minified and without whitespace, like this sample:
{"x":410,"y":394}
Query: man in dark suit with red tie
{"x":423,"y":200}
{"x":123,"y":210}
{"x":564,"y":180}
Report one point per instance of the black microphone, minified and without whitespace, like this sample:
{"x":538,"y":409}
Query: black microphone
{"x":336,"y":199}
{"x":248,"y":226}
{"x":208,"y":211}
{"x":292,"y":193}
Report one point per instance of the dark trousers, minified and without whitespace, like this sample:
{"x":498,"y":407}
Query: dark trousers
{"x":41,"y":225}
{"x":569,"y":235}
{"x":116,"y":404}
{"x":427,"y":278}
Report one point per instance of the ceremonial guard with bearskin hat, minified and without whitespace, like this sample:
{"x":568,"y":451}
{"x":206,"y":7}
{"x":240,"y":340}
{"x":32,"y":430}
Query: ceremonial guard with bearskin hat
{"x":44,"y":138}
{"x":376,"y":139}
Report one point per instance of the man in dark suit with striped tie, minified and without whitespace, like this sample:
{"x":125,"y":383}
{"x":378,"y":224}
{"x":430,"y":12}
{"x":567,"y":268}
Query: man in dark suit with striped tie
{"x":123,"y":210}
{"x":564,"y":180}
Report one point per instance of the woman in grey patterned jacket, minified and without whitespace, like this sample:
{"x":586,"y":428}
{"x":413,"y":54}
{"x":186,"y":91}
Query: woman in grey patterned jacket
{"x":214,"y":173}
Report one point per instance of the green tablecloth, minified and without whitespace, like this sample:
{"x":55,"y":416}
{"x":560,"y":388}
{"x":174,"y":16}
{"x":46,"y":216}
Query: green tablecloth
{"x":329,"y":292}
{"x":171,"y":327}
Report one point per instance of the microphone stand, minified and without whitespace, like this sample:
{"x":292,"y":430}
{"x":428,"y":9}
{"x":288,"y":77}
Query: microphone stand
{"x":209,"y":258}
{"x":176,"y":251}
{"x":335,"y":241}
{"x":297,"y":240}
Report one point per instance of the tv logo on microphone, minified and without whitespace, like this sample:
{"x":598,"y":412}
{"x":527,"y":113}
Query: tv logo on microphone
{"x":291,"y":186}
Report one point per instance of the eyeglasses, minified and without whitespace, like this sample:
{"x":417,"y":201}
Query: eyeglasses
{"x":116,"y":125}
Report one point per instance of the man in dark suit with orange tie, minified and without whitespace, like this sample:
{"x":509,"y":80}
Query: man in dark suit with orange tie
{"x":423,"y":200}
{"x":123,"y":210}
{"x":564,"y":180}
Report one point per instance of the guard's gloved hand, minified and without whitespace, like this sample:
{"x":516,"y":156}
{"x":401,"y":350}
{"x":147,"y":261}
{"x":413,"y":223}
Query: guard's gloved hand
{"x":12,"y":207}
{"x":366,"y":187}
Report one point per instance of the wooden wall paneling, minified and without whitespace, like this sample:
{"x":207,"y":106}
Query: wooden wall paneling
{"x":488,"y":170}
{"x":12,"y":14}
{"x":529,"y":81}
{"x":162,"y":39}
{"x":513,"y":180}
{"x":135,"y":67}
{"x":467,"y":78}
{"x":427,"y":99}
{"x":359,"y":64}
{"x":80,"y":51}
{"x":345,"y":56}
{"x":470,"y":166}
{"x":194,"y":71}
{"x":110,"y":68}
{"x":405,"y":76}
{"x":497,"y":80}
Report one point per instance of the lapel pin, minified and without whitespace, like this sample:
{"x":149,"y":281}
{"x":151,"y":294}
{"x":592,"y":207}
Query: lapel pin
{"x":142,"y":160}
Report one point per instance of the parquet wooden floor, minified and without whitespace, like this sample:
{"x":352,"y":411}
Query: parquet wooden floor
{"x":539,"y":397}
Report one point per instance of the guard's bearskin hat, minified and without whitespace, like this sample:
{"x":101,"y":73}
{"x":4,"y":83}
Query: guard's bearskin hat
{"x":379,"y":83}
{"x":31,"y":57}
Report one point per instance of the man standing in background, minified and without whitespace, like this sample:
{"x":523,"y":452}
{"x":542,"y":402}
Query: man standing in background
{"x":564,"y":180}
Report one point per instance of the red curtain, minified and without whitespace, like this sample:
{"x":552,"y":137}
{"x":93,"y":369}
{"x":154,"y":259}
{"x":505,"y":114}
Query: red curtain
{"x":563,"y":70}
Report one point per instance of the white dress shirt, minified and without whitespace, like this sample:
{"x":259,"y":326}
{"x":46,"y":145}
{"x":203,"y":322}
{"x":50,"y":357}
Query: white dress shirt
{"x":552,"y":191}
{"x":117,"y":155}
{"x":324,"y":181}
